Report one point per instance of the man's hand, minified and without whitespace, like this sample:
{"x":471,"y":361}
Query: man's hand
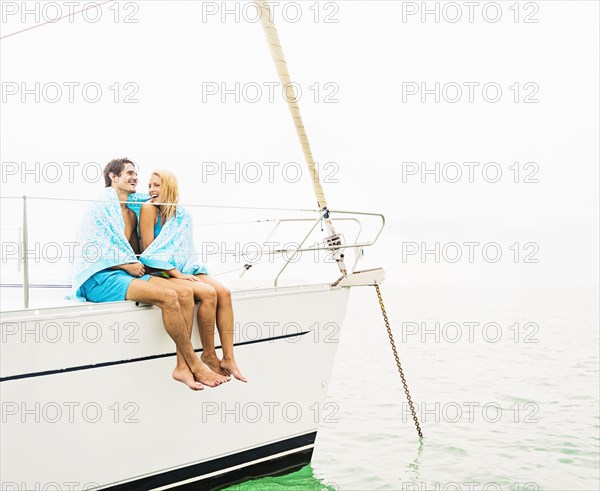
{"x":134,"y":269}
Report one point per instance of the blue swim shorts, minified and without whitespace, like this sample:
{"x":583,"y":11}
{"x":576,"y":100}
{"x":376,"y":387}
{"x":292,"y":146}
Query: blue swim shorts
{"x":109,"y":285}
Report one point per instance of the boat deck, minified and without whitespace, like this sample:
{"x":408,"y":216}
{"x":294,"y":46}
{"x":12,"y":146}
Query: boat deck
{"x":50,"y":299}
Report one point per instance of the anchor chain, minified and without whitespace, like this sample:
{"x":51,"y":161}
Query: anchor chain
{"x":392,"y":342}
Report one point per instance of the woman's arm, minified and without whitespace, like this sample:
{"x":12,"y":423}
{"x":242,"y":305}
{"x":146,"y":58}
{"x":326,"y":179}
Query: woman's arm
{"x":148,"y":216}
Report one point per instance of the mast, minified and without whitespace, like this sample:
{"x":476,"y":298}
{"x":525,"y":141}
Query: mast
{"x":274,"y":43}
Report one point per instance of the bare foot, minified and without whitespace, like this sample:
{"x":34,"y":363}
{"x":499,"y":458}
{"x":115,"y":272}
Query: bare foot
{"x":185,"y":376}
{"x":213,"y":362}
{"x":206,"y":376}
{"x":230,"y":367}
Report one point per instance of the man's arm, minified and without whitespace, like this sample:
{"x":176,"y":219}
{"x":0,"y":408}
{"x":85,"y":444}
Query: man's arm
{"x":134,"y":269}
{"x":134,"y":241}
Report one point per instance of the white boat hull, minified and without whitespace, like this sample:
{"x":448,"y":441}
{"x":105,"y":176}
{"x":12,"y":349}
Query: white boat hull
{"x":87,"y":395}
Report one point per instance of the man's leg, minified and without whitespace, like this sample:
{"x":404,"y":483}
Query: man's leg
{"x":225,"y":326}
{"x":167,"y":299}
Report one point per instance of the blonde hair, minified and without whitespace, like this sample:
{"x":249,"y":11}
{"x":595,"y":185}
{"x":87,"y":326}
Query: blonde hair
{"x":169,"y":190}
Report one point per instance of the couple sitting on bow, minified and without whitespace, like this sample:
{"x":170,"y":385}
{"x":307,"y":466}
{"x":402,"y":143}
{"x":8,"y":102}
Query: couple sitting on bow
{"x":140,"y":247}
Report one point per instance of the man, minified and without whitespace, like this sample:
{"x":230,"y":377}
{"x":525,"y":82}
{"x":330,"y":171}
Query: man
{"x":112,"y":226}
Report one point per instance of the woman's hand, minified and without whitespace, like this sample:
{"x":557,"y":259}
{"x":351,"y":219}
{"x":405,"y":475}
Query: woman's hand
{"x":189,"y":277}
{"x":180,"y":276}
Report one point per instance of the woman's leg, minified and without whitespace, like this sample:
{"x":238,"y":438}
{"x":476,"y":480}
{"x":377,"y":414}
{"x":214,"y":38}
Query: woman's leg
{"x":207,"y":296}
{"x":202,"y":374}
{"x":225,"y":325}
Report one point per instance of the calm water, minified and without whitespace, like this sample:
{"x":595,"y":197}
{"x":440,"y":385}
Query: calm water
{"x":506,"y":406}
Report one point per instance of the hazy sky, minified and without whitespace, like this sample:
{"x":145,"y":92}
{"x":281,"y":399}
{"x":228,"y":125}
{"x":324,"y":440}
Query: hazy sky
{"x":388,"y":91}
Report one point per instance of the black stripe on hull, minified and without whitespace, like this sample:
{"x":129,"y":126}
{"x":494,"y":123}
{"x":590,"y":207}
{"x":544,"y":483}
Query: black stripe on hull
{"x":276,"y":467}
{"x":135,"y":360}
{"x":271,"y":467}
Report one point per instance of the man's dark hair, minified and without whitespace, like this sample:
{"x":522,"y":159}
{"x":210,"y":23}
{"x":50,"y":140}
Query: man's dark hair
{"x":115,"y":166}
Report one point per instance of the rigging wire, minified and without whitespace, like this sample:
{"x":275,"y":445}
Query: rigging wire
{"x":54,"y":21}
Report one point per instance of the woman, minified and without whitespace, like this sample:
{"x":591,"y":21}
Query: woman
{"x":181,"y":266}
